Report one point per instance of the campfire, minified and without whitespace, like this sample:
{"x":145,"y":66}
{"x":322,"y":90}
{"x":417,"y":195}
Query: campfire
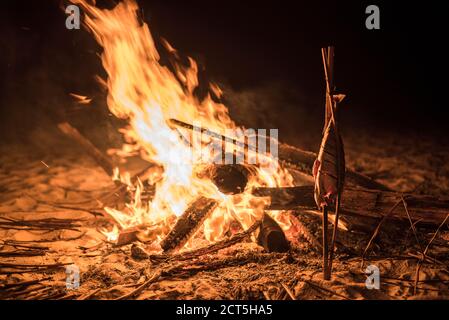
{"x":210,"y":194}
{"x":200,"y":177}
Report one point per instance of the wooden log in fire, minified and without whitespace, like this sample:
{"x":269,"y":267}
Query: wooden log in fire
{"x":271,"y":236}
{"x":229,"y":178}
{"x":362,"y":203}
{"x":188,"y":223}
{"x":291,"y":157}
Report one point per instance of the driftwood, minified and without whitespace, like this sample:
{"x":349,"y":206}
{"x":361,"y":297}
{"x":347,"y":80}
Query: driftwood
{"x":291,"y":157}
{"x":84,"y":143}
{"x":188,"y":223}
{"x":362,"y":203}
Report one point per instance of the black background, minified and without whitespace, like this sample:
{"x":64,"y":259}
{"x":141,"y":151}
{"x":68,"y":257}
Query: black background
{"x":395,"y":76}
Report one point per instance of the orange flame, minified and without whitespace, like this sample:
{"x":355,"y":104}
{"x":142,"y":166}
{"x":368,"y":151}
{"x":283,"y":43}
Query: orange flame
{"x":148,"y":94}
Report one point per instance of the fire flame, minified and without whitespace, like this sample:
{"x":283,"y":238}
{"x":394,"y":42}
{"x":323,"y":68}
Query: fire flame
{"x":147,"y":94}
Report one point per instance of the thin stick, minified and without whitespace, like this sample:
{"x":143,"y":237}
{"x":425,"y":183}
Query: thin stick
{"x":376,"y":231}
{"x":424,"y":254}
{"x":326,"y":274}
{"x":334,"y":234}
{"x":328,"y":60}
{"x":411,"y":223}
{"x":88,"y":295}
{"x":139,"y":289}
{"x":316,"y":286}
{"x":289,"y":292}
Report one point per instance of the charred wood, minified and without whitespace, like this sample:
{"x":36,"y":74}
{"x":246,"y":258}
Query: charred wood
{"x":188,"y":223}
{"x":291,"y":157}
{"x":271,"y":236}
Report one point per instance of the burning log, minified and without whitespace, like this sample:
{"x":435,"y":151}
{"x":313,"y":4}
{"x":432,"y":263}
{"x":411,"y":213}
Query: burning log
{"x":229,"y":178}
{"x":188,"y":223}
{"x":291,"y":157}
{"x":271,"y":236}
{"x":236,"y":238}
{"x":84,"y":143}
{"x":359,"y":202}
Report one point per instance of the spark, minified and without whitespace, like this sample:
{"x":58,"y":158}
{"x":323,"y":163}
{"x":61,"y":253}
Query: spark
{"x":45,"y":164}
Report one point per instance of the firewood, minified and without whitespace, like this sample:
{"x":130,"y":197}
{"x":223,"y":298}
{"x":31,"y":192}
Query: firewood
{"x":359,"y":202}
{"x":229,"y":178}
{"x":84,"y":143}
{"x":292,"y":158}
{"x":188,"y":223}
{"x":271,"y":236}
{"x":208,"y":249}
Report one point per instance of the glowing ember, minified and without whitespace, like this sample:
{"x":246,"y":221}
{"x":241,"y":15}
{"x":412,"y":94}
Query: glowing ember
{"x":148,"y":94}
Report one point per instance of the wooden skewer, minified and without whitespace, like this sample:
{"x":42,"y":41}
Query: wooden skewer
{"x":328,"y":59}
{"x":326,"y":274}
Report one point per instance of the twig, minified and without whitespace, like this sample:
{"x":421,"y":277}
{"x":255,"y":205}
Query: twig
{"x":23,"y":283}
{"x":376,"y":231}
{"x":316,"y":286}
{"x":88,"y":295}
{"x":289,"y":292}
{"x":139,"y":289}
{"x":52,"y":240}
{"x":411,"y":223}
{"x":94,"y":212}
{"x":424,"y":253}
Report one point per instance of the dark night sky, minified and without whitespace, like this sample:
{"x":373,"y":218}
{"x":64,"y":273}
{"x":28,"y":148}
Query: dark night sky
{"x":389,"y":74}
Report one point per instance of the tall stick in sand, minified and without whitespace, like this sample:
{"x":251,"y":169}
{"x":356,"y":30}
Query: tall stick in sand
{"x":329,"y":167}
